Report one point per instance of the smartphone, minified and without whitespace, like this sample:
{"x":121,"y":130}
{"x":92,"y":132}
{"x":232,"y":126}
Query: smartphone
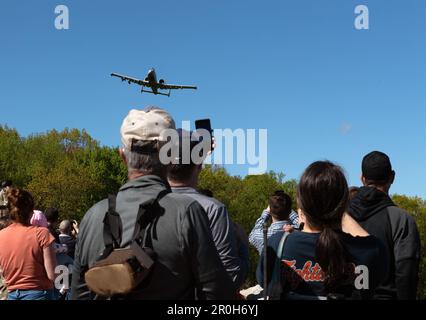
{"x":206,"y":125}
{"x":203,"y":124}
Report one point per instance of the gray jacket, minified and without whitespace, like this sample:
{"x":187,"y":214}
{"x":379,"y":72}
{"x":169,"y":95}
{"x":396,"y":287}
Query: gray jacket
{"x":187,"y":258}
{"x":234,"y":255}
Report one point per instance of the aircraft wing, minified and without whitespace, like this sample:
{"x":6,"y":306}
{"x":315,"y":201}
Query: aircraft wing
{"x":164,"y":86}
{"x":130,"y":79}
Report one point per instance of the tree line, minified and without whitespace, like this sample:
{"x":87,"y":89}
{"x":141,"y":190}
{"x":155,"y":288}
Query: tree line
{"x":70,"y":170}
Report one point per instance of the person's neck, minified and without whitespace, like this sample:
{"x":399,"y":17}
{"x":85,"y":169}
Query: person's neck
{"x":134,"y":175}
{"x":276,"y":219}
{"x":383,"y":189}
{"x":17,"y":223}
{"x":183,"y":184}
{"x":308,"y":229}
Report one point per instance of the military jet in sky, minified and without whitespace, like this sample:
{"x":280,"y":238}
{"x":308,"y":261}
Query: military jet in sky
{"x":150,"y":81}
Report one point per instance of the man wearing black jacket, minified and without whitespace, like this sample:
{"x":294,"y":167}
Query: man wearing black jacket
{"x":375,"y":212}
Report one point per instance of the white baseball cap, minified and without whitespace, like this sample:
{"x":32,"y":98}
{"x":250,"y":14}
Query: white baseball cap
{"x":149,"y":124}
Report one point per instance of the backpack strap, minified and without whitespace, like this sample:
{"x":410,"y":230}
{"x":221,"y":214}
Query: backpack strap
{"x":113,"y":227}
{"x":148,"y":214}
{"x":281,"y":245}
{"x":275,"y":286}
{"x":265,"y":259}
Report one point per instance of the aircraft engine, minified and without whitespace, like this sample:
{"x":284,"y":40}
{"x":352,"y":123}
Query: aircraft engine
{"x":162,"y":81}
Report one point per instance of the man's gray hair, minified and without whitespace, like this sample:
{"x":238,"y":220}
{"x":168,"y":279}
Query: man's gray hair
{"x":65,"y":227}
{"x":143,"y":163}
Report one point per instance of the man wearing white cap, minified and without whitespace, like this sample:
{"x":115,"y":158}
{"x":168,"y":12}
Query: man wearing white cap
{"x":187,"y":260}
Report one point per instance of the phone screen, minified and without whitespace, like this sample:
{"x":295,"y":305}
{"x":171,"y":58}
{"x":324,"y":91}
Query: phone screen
{"x":203,"y":124}
{"x":206,"y":125}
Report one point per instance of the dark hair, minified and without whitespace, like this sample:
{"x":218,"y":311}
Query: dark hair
{"x":378,"y":183}
{"x":6,"y":183}
{"x":323,"y":196}
{"x":182,"y":170}
{"x":52,"y":215}
{"x":21,"y":205}
{"x":377,"y":169}
{"x":4,"y":222}
{"x":206,"y":192}
{"x":353,"y":191}
{"x":280,"y":205}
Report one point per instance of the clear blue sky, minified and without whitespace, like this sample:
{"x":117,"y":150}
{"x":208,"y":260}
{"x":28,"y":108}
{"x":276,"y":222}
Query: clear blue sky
{"x":298,"y":68}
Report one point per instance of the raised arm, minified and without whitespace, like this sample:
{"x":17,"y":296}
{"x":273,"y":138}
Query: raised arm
{"x":256,"y":234}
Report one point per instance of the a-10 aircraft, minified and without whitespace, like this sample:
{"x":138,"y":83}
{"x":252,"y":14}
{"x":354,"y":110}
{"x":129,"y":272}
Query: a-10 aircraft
{"x":150,"y":81}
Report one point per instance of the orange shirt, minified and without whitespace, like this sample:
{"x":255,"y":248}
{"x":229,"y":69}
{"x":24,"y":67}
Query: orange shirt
{"x":21,"y":257}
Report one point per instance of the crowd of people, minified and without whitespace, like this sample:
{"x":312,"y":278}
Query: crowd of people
{"x":181,"y":243}
{"x":32,"y":245}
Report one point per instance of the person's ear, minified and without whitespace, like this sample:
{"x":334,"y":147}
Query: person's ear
{"x":302,"y":217}
{"x":392,"y":179}
{"x":363,"y":180}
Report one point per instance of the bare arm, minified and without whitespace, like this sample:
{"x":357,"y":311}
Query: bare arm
{"x":49,"y":258}
{"x":349,"y":225}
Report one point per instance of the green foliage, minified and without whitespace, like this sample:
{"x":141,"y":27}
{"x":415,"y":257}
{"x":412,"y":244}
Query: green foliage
{"x":11,"y":148}
{"x":69,"y":170}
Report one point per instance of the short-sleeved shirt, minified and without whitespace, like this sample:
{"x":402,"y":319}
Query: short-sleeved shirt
{"x":21,"y":257}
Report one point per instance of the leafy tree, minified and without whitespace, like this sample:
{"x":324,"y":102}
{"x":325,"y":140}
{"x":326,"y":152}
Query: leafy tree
{"x":66,"y":169}
{"x":11,"y":148}
{"x":67,"y":186}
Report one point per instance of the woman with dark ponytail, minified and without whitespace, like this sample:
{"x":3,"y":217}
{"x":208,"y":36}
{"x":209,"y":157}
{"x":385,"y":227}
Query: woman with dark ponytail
{"x":322,"y":260}
{"x":322,"y":198}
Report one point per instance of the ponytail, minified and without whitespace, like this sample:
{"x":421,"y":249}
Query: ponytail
{"x":323,"y":196}
{"x":331,"y":257}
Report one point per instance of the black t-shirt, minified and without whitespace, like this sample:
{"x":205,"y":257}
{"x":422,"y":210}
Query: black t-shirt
{"x":301,"y":274}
